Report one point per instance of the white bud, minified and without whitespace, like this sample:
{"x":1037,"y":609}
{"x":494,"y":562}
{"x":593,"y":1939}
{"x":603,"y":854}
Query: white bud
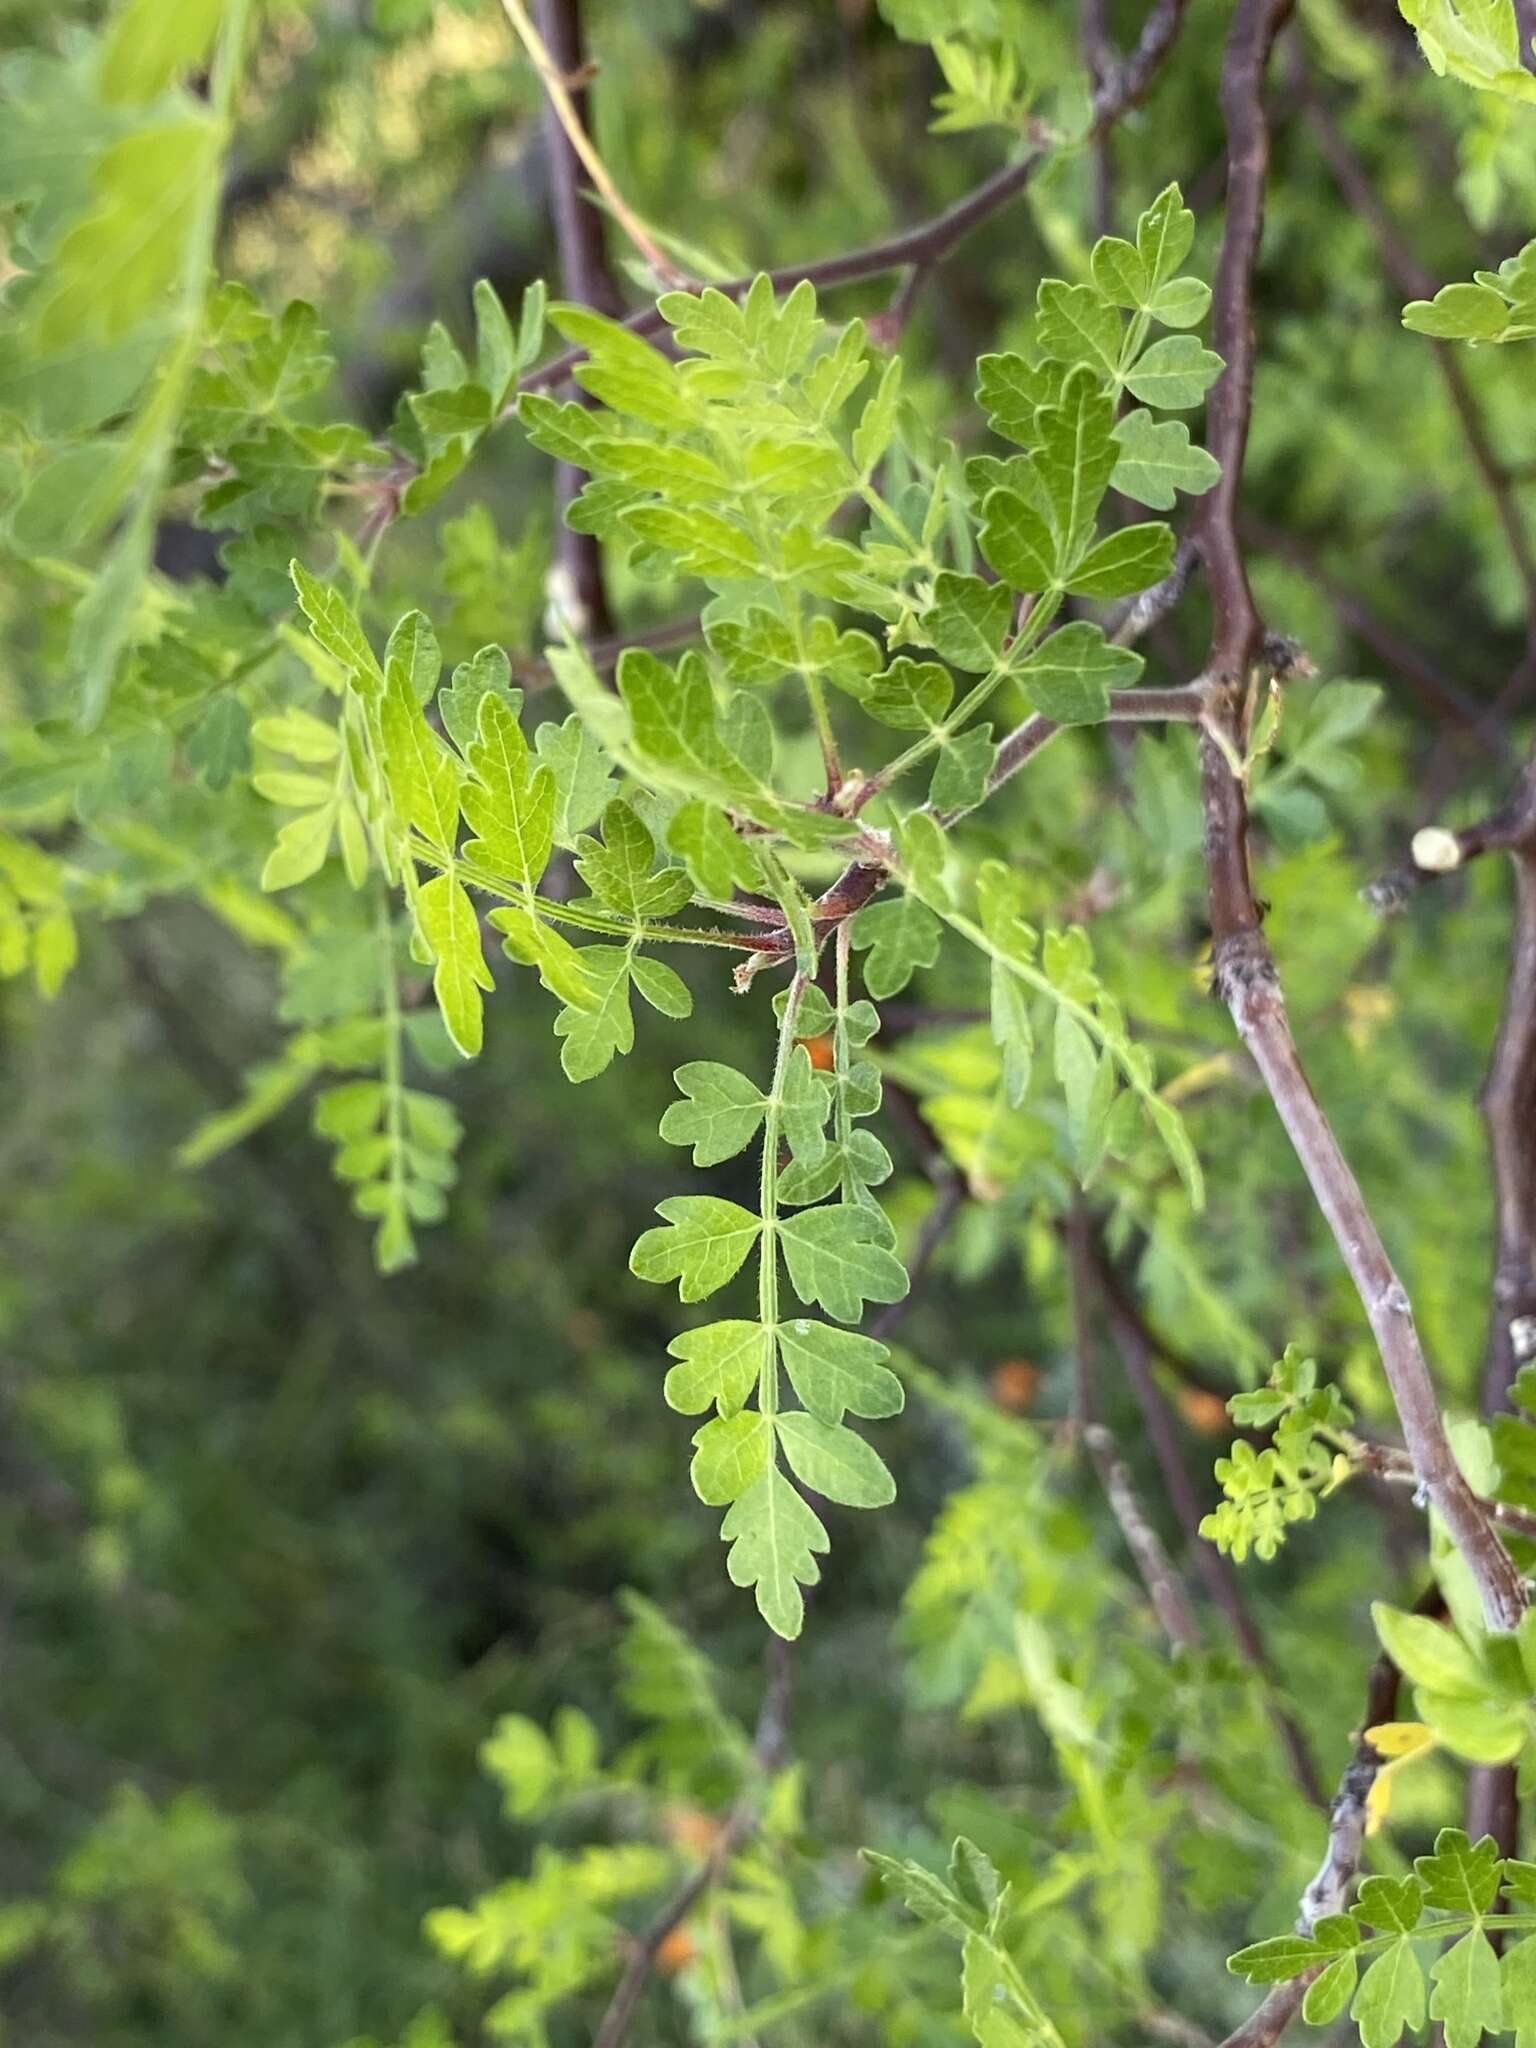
{"x":1436,"y":850}
{"x":562,"y":604}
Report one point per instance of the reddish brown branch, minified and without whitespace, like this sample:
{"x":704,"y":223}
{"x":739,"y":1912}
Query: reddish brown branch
{"x":933,"y":240}
{"x":586,"y":276}
{"x":1244,"y":968}
{"x":1509,"y":1111}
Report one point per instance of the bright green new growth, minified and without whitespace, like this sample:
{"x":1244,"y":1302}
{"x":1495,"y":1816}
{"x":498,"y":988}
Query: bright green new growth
{"x":665,"y":798}
{"x":1372,"y":1958}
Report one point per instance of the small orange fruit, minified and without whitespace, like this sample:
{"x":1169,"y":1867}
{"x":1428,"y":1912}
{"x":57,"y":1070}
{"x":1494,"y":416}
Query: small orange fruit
{"x":1204,"y":1411}
{"x":1015,"y":1383}
{"x":676,"y":1951}
{"x":823,"y":1058}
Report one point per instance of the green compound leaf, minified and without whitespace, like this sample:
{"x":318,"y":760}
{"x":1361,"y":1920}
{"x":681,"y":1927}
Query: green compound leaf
{"x":718,"y":1364}
{"x":774,"y":1538}
{"x":720,"y":1117}
{"x":837,"y":1260}
{"x":835,"y":1462}
{"x":702,"y":1244}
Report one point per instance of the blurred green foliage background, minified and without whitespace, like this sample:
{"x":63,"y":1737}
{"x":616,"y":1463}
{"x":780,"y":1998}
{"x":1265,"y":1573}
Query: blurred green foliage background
{"x":279,"y":1542}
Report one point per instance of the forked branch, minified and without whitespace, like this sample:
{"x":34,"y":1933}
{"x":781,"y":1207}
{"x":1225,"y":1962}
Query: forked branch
{"x":1245,"y":973}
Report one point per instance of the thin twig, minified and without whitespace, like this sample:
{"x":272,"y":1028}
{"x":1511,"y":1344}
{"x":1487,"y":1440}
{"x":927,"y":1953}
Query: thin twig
{"x":1214,"y":1568}
{"x":1245,"y":973}
{"x":933,"y":240}
{"x":556,"y":86}
{"x":1165,"y":1590}
{"x":1406,"y":272}
{"x":769,"y":1747}
{"x":586,"y":277}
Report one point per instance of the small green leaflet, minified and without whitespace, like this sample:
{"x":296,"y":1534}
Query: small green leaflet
{"x":1390,"y":1997}
{"x":902,"y":935}
{"x":716,"y":856}
{"x":1158,"y":459}
{"x":834,"y":1461}
{"x":458,"y":701}
{"x":447,"y":921}
{"x":701,"y":1245}
{"x":720,"y":1363}
{"x":967,"y":620}
{"x":731,"y":1453}
{"x":528,"y":940}
{"x":1175,"y":373}
{"x":593,"y":1032}
{"x":335,"y":625}
{"x":836,"y":1371}
{"x":911,"y":696}
{"x":836,"y":1260}
{"x":617,"y":869}
{"x":774,"y":1538}
{"x":1074,"y":325}
{"x":721,"y":1114}
{"x":962,"y":770}
{"x":1132,"y":559}
{"x":1068,"y":676}
{"x":583,"y":780}
{"x":511,"y":804}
